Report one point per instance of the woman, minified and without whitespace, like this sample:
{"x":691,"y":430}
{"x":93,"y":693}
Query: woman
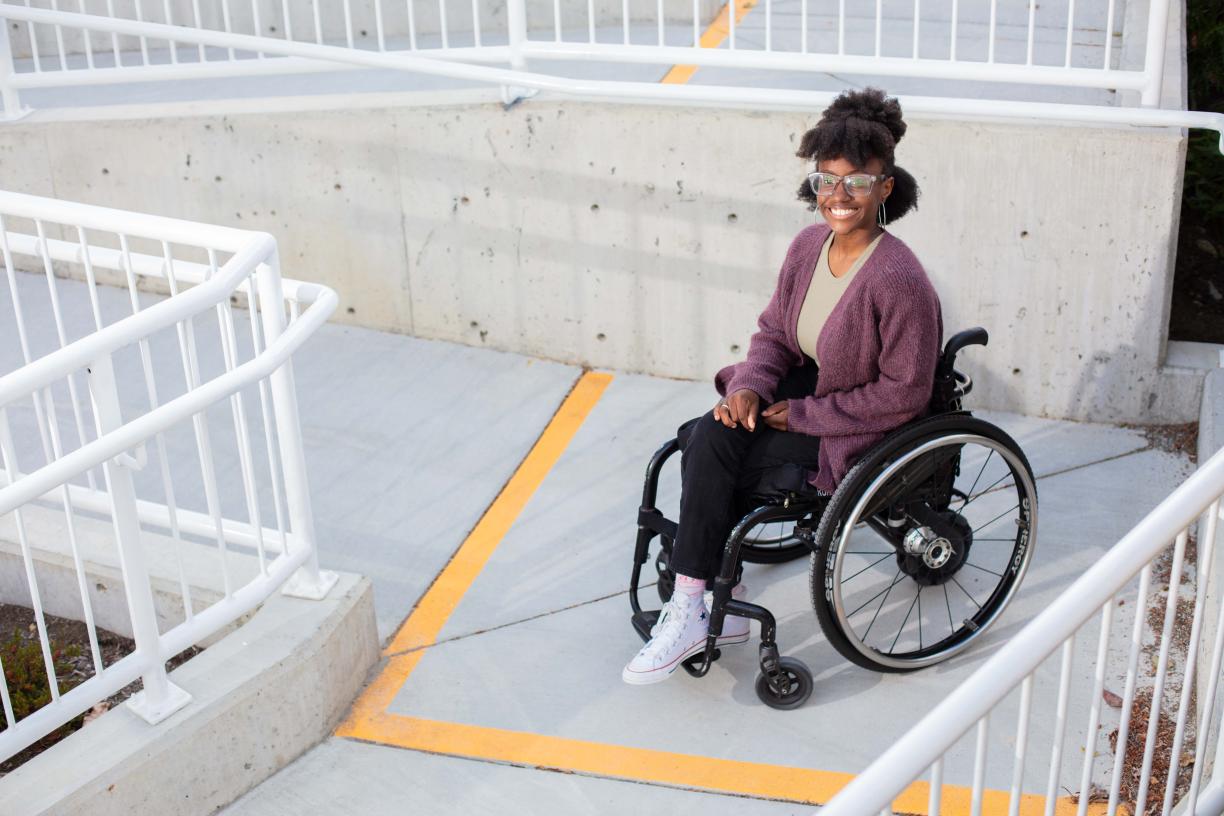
{"x":845,"y":352}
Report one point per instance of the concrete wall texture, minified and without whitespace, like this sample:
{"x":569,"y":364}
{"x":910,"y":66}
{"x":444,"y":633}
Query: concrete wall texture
{"x":649,"y":238}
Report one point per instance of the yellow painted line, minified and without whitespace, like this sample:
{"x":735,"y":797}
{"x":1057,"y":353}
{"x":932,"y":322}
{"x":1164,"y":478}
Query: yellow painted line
{"x":370,"y":720}
{"x":712,"y":37}
{"x":755,"y":779}
{"x":422,"y":626}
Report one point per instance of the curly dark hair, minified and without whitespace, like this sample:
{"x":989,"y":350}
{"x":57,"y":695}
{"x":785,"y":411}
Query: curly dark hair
{"x":860,"y":126}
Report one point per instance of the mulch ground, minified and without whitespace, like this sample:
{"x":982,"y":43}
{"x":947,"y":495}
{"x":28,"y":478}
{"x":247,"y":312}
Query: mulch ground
{"x":63,"y":634}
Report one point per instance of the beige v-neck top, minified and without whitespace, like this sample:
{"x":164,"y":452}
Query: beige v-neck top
{"x":823,"y":295}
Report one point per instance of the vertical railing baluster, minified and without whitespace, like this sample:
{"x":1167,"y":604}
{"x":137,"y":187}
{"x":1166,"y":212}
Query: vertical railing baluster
{"x":476,"y":21}
{"x":625,"y":21}
{"x":658,"y":13}
{"x":1070,"y":31}
{"x":557,"y":22}
{"x":1022,"y":726}
{"x":86,"y":36}
{"x":768,"y":25}
{"x":348,"y":22}
{"x":381,"y":36}
{"x":1032,"y":29}
{"x":225,"y":22}
{"x":265,"y":407}
{"x":173,"y":45}
{"x":91,"y":629}
{"x":917,"y":19}
{"x":733,"y":11}
{"x":255,"y":21}
{"x":879,"y":26}
{"x":955,"y":27}
{"x":1213,"y":680}
{"x":287,"y":14}
{"x":1109,"y":27}
{"x":8,"y":454}
{"x":1162,"y":665}
{"x":34,"y":51}
{"x":62,"y":335}
{"x":110,"y":12}
{"x":62,"y":53}
{"x":979,"y":766}
{"x":318,"y":21}
{"x":994,"y":16}
{"x":1154,"y":52}
{"x":1206,"y":553}
{"x":936,"y":795}
{"x":841,"y":26}
{"x":1128,"y":694}
{"x":696,"y":23}
{"x":195,"y":12}
{"x":1060,"y":726}
{"x":144,"y":42}
{"x":412,"y":43}
{"x":1094,"y":708}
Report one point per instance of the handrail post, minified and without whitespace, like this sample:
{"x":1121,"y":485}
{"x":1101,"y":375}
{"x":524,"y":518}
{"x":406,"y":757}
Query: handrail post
{"x":516,"y":26}
{"x":9,"y":97}
{"x":160,"y":698}
{"x":1154,"y":52}
{"x":309,"y":581}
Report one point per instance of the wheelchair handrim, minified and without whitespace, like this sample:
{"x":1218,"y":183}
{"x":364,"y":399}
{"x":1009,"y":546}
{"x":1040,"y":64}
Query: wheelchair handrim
{"x":1022,"y":476}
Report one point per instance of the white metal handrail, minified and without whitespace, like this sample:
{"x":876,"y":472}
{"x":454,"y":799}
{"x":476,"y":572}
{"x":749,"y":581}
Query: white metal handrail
{"x":521,"y":81}
{"x":285,"y":554}
{"x":925,"y":746}
{"x":196,"y":50}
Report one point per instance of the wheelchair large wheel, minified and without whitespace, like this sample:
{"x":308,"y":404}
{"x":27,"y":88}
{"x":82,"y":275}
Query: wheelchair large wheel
{"x":924,"y":543}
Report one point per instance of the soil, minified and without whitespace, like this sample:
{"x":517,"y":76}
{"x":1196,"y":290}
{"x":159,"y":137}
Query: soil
{"x":64,"y":633}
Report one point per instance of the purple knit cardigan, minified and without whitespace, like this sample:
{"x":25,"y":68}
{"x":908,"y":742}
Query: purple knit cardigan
{"x":879,"y":347}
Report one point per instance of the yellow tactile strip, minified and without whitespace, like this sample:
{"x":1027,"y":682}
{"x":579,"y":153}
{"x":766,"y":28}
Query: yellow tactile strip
{"x":712,"y":37}
{"x":369,"y":720}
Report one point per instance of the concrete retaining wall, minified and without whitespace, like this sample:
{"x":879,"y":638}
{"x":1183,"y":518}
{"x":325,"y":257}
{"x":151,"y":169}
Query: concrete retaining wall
{"x":261,"y":697}
{"x":649,"y":238}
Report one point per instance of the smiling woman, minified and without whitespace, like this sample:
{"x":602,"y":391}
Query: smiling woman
{"x":845,"y":352}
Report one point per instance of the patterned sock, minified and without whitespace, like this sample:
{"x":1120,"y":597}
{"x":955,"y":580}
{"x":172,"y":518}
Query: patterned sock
{"x":690,"y":586}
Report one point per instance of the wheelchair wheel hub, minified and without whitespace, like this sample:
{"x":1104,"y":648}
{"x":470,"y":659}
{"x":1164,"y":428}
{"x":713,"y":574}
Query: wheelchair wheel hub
{"x":934,"y":550}
{"x":930,"y":558}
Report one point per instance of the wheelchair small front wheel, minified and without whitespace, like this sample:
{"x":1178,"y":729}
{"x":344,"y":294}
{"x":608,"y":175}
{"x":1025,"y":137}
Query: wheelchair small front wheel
{"x":794,"y":681}
{"x":924,"y":544}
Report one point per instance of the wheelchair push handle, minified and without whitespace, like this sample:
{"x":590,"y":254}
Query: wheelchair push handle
{"x":976,"y":336}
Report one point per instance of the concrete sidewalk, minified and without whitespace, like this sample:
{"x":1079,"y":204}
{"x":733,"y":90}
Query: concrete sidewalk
{"x":518,"y":664}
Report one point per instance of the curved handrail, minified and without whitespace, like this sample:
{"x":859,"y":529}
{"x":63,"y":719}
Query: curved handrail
{"x":60,"y":363}
{"x":137,"y":430}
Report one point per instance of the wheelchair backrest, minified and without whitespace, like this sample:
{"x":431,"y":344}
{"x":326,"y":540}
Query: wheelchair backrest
{"x":951,"y":386}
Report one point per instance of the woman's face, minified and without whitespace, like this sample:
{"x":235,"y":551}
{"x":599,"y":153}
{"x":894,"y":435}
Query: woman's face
{"x":845,"y":212}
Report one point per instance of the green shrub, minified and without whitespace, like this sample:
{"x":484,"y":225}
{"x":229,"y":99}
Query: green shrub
{"x":26,"y":673}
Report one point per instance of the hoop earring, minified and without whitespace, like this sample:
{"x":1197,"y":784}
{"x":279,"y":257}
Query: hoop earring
{"x":882,"y":217}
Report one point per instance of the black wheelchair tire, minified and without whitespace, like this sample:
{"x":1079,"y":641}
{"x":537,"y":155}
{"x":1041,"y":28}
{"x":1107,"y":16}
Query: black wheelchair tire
{"x":844,"y":499}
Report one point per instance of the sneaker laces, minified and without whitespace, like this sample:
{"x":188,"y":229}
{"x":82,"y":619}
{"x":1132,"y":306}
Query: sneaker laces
{"x":673,"y":622}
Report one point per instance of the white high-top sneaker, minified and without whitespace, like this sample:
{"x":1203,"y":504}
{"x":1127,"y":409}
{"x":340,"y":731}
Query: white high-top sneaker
{"x":679,"y":634}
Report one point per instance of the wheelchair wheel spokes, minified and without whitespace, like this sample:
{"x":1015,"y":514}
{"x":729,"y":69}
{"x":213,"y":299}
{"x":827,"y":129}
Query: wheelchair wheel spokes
{"x":931,"y":570}
{"x":773,"y":542}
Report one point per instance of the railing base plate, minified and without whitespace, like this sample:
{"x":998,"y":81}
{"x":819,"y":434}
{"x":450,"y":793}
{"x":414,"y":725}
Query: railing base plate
{"x":302,"y":585}
{"x":175,"y":699}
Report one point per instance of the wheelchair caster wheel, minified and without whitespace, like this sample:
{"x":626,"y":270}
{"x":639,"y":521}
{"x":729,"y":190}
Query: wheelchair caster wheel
{"x":794,"y":682}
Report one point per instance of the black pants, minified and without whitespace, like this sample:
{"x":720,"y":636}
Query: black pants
{"x":721,"y":468}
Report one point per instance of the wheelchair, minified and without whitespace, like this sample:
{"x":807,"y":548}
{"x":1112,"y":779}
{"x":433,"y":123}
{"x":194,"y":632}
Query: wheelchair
{"x":945,"y":506}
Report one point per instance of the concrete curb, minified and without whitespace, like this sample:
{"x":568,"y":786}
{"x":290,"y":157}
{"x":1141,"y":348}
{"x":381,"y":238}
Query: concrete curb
{"x":264,"y":694}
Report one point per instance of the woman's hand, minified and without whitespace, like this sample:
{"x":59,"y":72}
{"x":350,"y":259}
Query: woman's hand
{"x":741,"y":406}
{"x":777,"y":416}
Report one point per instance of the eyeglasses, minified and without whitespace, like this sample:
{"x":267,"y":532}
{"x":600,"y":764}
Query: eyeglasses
{"x":857,"y":184}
